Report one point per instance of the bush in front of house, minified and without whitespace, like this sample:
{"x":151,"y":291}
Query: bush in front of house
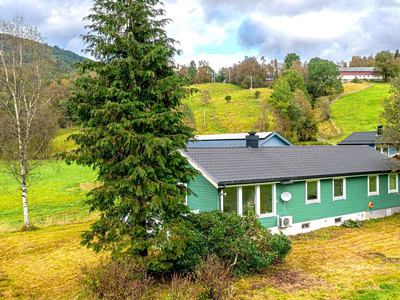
{"x":242,"y":243}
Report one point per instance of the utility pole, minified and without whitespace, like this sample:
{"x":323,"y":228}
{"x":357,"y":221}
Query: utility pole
{"x":251,"y":84}
{"x":229,"y":75}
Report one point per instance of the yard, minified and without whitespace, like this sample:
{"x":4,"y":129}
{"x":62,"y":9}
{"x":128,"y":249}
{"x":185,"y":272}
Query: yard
{"x":331,"y":263}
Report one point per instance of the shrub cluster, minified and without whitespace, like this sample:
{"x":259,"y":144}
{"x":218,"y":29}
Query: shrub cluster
{"x":240,"y":242}
{"x":352,"y":224}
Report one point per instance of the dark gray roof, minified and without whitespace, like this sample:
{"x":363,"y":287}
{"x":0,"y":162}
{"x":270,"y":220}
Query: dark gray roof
{"x":361,"y":138}
{"x":233,"y":165}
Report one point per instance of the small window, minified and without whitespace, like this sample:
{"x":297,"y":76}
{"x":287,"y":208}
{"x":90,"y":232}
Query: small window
{"x":393,"y":183}
{"x":339,"y":189}
{"x":312,"y":192}
{"x":338,"y":220}
{"x":230,"y":200}
{"x":305,"y":225}
{"x":373,"y":185}
{"x":249,"y":197}
{"x":266,"y":196}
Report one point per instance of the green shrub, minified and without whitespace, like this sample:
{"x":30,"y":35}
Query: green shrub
{"x":228,"y":98}
{"x":241,"y":242}
{"x":352,"y":224}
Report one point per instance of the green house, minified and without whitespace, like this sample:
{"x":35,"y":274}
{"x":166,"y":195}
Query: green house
{"x":295,"y":189}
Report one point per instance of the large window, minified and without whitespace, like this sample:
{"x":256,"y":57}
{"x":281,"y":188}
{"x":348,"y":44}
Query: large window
{"x":373,"y":185}
{"x":393,"y":183}
{"x":339,"y":189}
{"x":313,"y":192}
{"x":241,"y":200}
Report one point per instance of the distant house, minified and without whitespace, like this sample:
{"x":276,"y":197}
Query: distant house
{"x":371,"y":139}
{"x":348,"y":74}
{"x":294,"y":189}
{"x":238,"y":139}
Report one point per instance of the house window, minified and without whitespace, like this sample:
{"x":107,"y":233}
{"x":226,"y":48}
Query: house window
{"x":339,"y":189}
{"x":266,"y":199}
{"x":230,"y":200}
{"x":373,"y":185}
{"x":393,"y":183}
{"x":241,"y":200}
{"x":248,"y":199}
{"x":313,"y":192}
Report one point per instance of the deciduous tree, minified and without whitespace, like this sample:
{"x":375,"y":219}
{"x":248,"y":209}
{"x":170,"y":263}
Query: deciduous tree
{"x":28,"y":114}
{"x":131,"y":129}
{"x":391,"y":116}
{"x":323,"y":78}
{"x":385,"y":65}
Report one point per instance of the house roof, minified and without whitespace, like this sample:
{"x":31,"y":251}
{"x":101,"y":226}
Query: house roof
{"x":357,"y":69}
{"x":361,"y":138}
{"x":241,"y":165}
{"x":232,"y":139}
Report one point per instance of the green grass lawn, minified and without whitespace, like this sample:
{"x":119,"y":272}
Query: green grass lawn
{"x":240,"y":115}
{"x":360,"y":111}
{"x":55,"y":196}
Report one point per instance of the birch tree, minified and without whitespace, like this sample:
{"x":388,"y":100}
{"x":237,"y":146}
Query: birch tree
{"x":27,"y":114}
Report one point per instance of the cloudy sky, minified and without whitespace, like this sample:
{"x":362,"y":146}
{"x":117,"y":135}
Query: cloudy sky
{"x":222,"y":32}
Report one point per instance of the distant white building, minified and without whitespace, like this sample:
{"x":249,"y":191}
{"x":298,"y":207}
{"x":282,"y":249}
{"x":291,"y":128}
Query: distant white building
{"x":348,"y":74}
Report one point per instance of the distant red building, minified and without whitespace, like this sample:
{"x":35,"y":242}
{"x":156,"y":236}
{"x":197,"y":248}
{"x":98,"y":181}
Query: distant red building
{"x":348,"y":74}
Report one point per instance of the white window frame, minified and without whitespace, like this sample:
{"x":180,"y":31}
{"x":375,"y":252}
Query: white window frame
{"x":343,"y":197}
{"x":397,"y":183}
{"x":318,"y":200}
{"x":377,"y":186}
{"x":257,"y":201}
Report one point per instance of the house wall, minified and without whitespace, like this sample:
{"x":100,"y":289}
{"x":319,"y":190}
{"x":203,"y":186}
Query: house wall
{"x":323,"y":214}
{"x":207,"y":195}
{"x":357,"y":199}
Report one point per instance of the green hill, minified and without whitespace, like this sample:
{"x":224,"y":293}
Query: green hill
{"x":240,"y":115}
{"x":360,"y":111}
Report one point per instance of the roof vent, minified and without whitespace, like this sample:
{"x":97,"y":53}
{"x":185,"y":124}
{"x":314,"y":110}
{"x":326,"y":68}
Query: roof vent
{"x":252,"y":140}
{"x":380,"y":129}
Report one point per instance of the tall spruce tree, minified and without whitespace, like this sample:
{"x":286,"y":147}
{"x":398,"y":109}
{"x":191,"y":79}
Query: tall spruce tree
{"x":131,"y":129}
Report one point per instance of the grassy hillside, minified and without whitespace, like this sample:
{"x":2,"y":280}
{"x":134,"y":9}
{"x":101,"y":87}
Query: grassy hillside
{"x":360,"y":111}
{"x":243,"y":111}
{"x":240,"y":115}
{"x":55,"y":197}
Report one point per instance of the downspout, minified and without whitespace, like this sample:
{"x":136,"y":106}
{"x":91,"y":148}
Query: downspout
{"x":219,"y":197}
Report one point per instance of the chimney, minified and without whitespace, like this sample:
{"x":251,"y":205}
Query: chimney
{"x":252,"y":140}
{"x":380,"y":129}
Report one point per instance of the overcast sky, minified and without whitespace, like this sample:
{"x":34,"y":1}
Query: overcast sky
{"x":224,"y":31}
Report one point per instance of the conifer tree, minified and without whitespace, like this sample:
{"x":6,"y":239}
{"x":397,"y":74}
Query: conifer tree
{"x":131,"y":129}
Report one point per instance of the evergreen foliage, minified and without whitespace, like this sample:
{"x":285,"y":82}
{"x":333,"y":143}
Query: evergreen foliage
{"x":131,"y":129}
{"x":289,"y":59}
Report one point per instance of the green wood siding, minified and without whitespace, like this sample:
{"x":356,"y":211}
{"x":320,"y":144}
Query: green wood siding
{"x":356,"y":199}
{"x":207,"y":195}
